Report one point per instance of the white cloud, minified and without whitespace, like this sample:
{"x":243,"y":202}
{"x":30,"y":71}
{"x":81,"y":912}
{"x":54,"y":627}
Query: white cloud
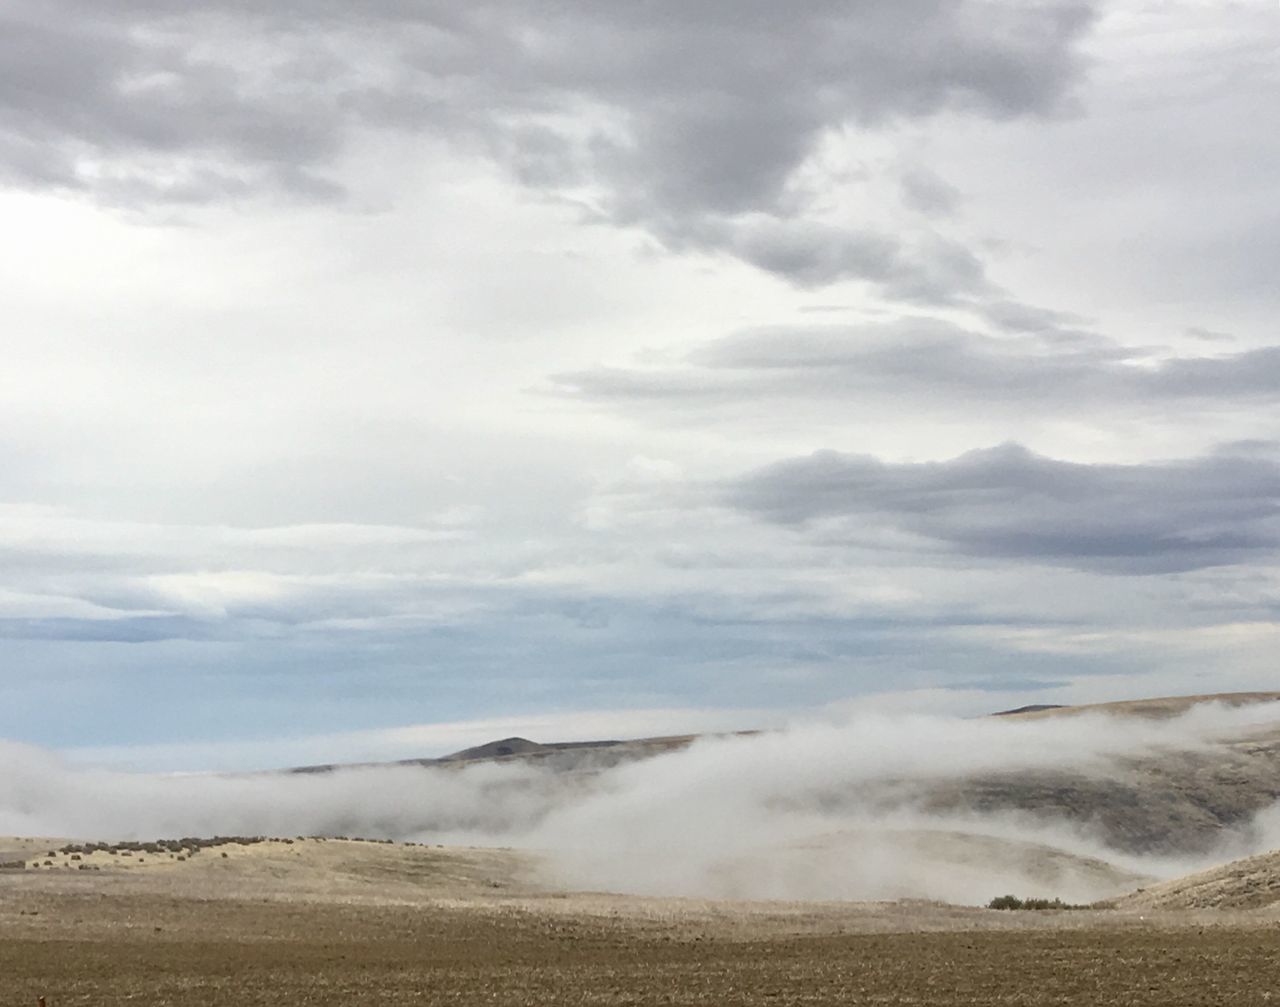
{"x":290,"y":285}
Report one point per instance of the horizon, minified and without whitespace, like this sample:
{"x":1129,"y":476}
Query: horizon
{"x":1098,"y":799}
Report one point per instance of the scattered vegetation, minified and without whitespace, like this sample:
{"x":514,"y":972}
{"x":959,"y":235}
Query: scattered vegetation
{"x":186,"y":848}
{"x":1013,"y":902}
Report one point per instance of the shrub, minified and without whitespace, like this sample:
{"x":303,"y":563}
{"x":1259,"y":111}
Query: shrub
{"x":1013,"y":902}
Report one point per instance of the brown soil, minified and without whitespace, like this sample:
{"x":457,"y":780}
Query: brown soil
{"x":323,"y":923}
{"x":150,"y":950}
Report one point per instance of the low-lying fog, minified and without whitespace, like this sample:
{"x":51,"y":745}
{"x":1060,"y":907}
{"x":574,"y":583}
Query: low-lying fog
{"x":816,"y":811}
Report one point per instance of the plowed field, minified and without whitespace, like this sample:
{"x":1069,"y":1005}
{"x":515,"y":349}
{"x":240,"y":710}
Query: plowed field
{"x":107,"y":951}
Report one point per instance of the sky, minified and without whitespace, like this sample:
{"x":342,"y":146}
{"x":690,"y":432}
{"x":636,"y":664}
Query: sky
{"x":380,"y":379}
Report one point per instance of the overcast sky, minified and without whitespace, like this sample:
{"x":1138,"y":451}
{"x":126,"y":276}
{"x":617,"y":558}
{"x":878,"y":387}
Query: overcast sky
{"x":380,"y":378}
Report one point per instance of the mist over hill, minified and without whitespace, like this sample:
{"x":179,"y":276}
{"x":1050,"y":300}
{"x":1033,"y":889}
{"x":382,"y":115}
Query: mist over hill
{"x":1079,"y":802}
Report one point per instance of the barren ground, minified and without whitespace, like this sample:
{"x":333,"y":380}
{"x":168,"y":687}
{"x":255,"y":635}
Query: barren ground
{"x":312,"y":922}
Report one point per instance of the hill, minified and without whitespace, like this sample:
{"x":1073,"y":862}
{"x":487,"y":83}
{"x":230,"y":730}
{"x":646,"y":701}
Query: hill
{"x":562,"y":756}
{"x":805,"y":813}
{"x":1176,"y":800}
{"x":256,"y":867}
{"x":1251,"y":883}
{"x":1159,"y":708}
{"x":1179,"y":800}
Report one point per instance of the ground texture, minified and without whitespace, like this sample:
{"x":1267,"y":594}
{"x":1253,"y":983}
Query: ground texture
{"x":153,"y":951}
{"x":319,"y":923}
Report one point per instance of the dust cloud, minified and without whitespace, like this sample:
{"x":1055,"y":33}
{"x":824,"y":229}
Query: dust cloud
{"x":822,"y":810}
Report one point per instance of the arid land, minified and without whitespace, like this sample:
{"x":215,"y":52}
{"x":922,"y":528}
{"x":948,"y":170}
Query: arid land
{"x":331,"y":921}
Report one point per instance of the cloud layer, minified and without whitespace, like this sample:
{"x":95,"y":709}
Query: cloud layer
{"x":1040,"y":359}
{"x":1007,"y":502}
{"x":411,"y":363}
{"x":691,"y":122}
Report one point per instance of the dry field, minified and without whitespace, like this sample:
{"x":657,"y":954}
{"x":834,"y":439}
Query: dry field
{"x":341,"y":922}
{"x":319,"y":922}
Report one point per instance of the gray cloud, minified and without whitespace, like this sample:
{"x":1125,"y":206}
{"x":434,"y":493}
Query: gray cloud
{"x":927,"y":193}
{"x":930,"y":270}
{"x":1008,"y":503}
{"x":1015,"y":316}
{"x":1048,"y":363}
{"x":120,"y":107}
{"x":682,"y":119}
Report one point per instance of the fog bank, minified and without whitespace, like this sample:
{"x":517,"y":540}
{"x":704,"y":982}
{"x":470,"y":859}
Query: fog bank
{"x":845,"y":810}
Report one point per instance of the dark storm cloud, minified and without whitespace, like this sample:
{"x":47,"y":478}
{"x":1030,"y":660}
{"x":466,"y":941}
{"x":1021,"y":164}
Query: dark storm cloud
{"x":1009,"y":503}
{"x":1047,"y":362}
{"x":684,"y":119}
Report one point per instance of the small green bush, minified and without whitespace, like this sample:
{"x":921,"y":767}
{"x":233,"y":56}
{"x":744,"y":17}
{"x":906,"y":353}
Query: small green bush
{"x":1013,"y":902}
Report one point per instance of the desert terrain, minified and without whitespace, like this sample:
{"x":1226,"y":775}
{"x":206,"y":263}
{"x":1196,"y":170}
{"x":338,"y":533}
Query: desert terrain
{"x":325,"y":920}
{"x":330,"y":922}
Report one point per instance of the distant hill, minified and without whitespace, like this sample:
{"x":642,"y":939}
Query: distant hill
{"x":874,"y":835}
{"x":1173,"y":802}
{"x":1160,"y":708}
{"x":565,"y":756}
{"x":1177,"y":801}
{"x":1033,"y":708}
{"x":501,"y":750}
{"x":1251,"y":883}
